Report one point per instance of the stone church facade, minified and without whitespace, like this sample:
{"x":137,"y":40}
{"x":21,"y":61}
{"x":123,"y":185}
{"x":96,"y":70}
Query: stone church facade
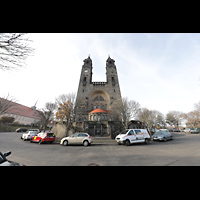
{"x":98,"y":104}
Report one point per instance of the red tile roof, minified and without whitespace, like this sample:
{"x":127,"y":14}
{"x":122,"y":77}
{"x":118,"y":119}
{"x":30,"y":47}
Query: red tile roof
{"x":22,"y":110}
{"x":100,"y":110}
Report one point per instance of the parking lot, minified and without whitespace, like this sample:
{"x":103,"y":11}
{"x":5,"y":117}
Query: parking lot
{"x":184,"y":150}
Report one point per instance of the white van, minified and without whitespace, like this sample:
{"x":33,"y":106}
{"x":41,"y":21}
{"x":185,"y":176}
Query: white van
{"x":130,"y":136}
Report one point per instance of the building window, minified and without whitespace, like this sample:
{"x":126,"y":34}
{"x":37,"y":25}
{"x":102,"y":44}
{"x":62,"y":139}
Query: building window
{"x":99,"y":117}
{"x":84,"y":81}
{"x":95,"y":117}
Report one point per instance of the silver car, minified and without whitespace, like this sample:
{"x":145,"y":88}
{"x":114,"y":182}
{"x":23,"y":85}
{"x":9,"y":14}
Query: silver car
{"x":162,"y":136}
{"x":77,"y":138}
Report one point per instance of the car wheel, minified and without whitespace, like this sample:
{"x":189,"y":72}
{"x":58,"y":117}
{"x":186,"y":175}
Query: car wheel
{"x":65,"y":143}
{"x":40,"y":142}
{"x":165,"y":139}
{"x":31,"y":140}
{"x":127,"y":142}
{"x":146,"y":141}
{"x":85,"y":143}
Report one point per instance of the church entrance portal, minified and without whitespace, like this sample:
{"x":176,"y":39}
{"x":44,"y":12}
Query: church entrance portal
{"x":97,"y":129}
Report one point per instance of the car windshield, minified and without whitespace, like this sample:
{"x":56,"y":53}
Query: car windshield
{"x":75,"y":135}
{"x":124,"y":131}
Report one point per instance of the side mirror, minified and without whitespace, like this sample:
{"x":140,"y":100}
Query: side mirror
{"x":7,"y":153}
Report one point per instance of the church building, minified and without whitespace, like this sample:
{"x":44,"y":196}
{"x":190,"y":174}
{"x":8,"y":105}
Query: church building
{"x":98,"y":104}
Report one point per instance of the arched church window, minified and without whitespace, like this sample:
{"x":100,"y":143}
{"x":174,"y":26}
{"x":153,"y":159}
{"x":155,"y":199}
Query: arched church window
{"x":99,"y":98}
{"x":99,"y":117}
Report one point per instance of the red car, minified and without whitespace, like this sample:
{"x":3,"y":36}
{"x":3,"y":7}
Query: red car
{"x":43,"y":137}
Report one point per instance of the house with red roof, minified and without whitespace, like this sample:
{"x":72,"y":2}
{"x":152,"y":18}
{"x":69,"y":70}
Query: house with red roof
{"x":22,"y":114}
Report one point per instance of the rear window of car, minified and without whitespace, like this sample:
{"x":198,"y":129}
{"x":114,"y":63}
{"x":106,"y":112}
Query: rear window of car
{"x":32,"y":132}
{"x":50,"y":134}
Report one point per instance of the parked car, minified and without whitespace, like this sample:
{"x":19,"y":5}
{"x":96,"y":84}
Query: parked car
{"x":130,"y":136}
{"x":191,"y":130}
{"x":5,"y":162}
{"x":21,"y":130}
{"x":43,"y":137}
{"x":173,"y":130}
{"x":162,"y":135}
{"x":34,"y":130}
{"x":77,"y":138}
{"x":28,"y":135}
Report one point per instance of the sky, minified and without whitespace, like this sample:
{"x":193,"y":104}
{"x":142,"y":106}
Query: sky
{"x":161,"y":71}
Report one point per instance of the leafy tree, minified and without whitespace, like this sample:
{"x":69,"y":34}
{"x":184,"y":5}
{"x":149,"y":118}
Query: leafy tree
{"x":66,"y":108}
{"x":64,"y":111}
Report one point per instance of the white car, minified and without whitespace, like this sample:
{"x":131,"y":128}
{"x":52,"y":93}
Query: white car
{"x":77,"y":138}
{"x":190,"y":130}
{"x":28,"y":135}
{"x":130,"y":136}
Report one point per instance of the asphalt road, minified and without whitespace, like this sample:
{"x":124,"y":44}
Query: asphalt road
{"x":184,"y":150}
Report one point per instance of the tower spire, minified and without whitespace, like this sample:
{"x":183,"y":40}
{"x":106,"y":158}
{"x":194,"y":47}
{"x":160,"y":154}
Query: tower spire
{"x":34,"y":107}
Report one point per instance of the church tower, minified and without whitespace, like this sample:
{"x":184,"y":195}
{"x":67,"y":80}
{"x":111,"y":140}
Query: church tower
{"x":98,"y":103}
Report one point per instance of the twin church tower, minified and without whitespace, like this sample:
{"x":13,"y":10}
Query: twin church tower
{"x":98,"y":104}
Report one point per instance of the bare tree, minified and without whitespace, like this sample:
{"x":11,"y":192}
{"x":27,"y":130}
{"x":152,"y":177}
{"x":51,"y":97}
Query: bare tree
{"x":6,"y":104}
{"x":129,"y":110}
{"x":160,"y":120}
{"x":174,"y":118}
{"x":14,"y":49}
{"x":193,"y":118}
{"x":46,"y":114}
{"x":197,"y":106}
{"x":147,"y":117}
